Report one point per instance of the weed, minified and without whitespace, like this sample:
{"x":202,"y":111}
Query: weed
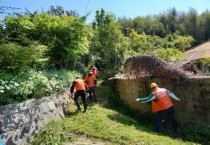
{"x":54,"y":133}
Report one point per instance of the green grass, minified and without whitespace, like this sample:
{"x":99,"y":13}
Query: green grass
{"x":110,"y":121}
{"x":107,"y":124}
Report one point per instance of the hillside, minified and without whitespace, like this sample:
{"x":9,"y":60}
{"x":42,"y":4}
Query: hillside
{"x":104,"y":123}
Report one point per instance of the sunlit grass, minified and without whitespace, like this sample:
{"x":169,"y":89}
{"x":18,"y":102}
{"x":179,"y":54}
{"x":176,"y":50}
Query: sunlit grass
{"x":112,"y":126}
{"x":110,"y":123}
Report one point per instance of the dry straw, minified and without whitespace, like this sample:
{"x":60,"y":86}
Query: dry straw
{"x":151,"y":65}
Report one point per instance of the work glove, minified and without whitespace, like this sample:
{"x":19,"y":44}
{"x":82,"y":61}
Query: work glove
{"x":71,"y":96}
{"x":137,"y":99}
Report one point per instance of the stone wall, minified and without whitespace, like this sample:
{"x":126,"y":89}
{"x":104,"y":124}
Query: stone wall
{"x":194,"y":95}
{"x":20,"y":122}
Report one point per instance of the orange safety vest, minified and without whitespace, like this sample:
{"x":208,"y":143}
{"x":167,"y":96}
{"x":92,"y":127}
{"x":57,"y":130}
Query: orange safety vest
{"x":95,"y":72}
{"x":90,"y":80}
{"x":164,"y":102}
{"x":80,"y":84}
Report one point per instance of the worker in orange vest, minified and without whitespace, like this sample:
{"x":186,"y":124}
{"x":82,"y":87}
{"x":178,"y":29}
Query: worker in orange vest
{"x":95,"y":71}
{"x":91,"y":82}
{"x":161,"y":105}
{"x":81,"y":88}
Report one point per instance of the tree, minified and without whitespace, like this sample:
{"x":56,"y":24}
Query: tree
{"x":66,"y":36}
{"x":201,"y":30}
{"x":126,"y":24}
{"x":18,"y":29}
{"x":147,"y":44}
{"x":172,"y":20}
{"x":8,"y":10}
{"x":1,"y":31}
{"x":191,"y":24}
{"x":56,"y":11}
{"x":137,"y":41}
{"x":108,"y":44}
{"x":178,"y":42}
{"x":59,"y":11}
{"x":102,"y":19}
{"x":207,"y":26}
{"x":15,"y":57}
{"x":170,"y":54}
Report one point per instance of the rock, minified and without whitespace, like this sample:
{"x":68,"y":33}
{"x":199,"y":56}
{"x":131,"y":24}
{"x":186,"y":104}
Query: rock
{"x":20,"y":122}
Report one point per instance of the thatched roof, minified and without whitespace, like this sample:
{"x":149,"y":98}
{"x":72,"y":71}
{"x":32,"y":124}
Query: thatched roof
{"x":200,"y":51}
{"x":150,"y":65}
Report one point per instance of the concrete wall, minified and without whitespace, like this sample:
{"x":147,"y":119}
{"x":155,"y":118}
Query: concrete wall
{"x":20,"y":122}
{"x":194,"y":95}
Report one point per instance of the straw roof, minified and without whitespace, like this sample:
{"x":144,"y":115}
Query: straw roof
{"x":151,"y":65}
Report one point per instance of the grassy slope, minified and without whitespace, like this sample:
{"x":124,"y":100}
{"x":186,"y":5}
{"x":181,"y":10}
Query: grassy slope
{"x":115,"y":127}
{"x":105,"y":122}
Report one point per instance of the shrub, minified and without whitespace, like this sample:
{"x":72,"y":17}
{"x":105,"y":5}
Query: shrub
{"x":33,"y":84}
{"x":15,"y":57}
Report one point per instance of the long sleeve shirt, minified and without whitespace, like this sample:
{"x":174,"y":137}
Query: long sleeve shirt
{"x":152,"y":96}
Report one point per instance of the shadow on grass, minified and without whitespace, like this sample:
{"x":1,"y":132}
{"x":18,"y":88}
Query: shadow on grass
{"x":72,"y":108}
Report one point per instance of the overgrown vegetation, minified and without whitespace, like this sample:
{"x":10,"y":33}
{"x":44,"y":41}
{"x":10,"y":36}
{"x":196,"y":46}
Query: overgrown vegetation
{"x":115,"y":123}
{"x":54,"y":133}
{"x":35,"y":47}
{"x":16,"y":57}
{"x":33,"y":84}
{"x":60,"y":39}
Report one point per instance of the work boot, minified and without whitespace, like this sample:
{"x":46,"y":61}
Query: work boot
{"x":95,"y":100}
{"x":78,"y":109}
{"x":85,"y":108}
{"x":94,"y":96}
{"x":90,"y":97}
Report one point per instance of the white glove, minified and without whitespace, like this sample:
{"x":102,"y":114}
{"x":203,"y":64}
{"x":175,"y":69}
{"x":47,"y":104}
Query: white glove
{"x":137,"y":99}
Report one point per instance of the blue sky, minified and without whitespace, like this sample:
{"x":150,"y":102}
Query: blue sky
{"x":127,"y":8}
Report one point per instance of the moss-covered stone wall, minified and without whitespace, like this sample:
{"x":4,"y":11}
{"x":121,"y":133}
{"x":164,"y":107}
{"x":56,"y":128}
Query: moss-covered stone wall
{"x":194,"y":94}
